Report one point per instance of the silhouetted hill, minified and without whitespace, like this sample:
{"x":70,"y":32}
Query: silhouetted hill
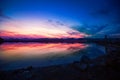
{"x":65,"y":40}
{"x":48,"y":40}
{"x":1,"y":40}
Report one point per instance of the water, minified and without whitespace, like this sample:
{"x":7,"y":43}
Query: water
{"x":20,"y":55}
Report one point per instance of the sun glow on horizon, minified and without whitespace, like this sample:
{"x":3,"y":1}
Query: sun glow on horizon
{"x":38,"y":29}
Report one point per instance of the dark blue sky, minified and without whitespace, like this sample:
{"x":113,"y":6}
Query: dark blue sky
{"x":94,"y":17}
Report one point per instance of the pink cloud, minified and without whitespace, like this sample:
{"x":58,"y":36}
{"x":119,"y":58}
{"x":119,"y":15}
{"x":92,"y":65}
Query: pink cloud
{"x":9,"y":34}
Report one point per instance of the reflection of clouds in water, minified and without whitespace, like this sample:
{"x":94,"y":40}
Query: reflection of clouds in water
{"x":38,"y":50}
{"x":93,"y":51}
{"x":41,"y":54}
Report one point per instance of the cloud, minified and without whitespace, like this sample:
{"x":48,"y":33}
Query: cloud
{"x":3,"y":16}
{"x":91,"y":29}
{"x":101,"y":13}
{"x":10,"y":34}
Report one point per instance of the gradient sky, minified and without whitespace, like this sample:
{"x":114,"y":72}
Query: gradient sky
{"x":59,"y":18}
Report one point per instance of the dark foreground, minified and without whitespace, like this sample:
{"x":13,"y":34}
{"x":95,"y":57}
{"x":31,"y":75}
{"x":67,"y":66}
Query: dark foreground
{"x":104,"y":67}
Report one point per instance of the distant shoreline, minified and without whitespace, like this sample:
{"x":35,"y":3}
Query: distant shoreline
{"x":65,"y":40}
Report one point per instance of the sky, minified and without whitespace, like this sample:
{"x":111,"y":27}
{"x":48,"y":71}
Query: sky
{"x":59,"y":18}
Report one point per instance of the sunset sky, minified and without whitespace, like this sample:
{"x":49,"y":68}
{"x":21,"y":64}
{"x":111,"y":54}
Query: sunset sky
{"x":58,"y":18}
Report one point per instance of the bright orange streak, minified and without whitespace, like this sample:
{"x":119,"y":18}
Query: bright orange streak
{"x":32,"y":50}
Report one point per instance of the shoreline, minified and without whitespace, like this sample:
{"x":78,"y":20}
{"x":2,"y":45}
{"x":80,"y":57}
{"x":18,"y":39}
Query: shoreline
{"x":102,"y":68}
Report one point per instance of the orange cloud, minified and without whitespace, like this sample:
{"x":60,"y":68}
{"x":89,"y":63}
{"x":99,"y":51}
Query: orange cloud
{"x":10,"y":34}
{"x":37,"y":29}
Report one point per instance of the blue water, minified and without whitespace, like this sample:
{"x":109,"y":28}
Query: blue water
{"x":20,"y":55}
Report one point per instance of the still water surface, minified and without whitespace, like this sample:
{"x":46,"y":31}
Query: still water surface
{"x":20,"y":55}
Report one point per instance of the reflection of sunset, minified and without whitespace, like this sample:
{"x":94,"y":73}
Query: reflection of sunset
{"x":34,"y":50}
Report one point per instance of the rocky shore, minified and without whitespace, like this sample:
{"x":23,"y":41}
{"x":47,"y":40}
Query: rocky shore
{"x":104,"y":67}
